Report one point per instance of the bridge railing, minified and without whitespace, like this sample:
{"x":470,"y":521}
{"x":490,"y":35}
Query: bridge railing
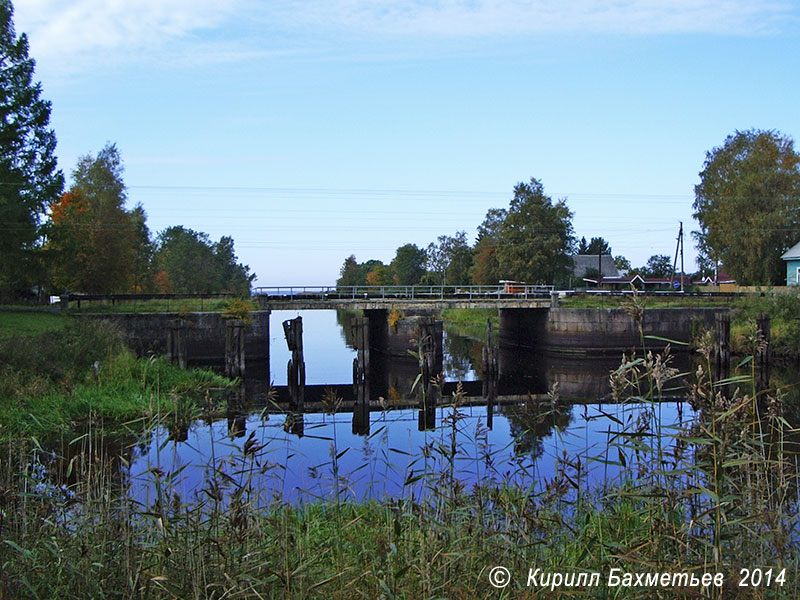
{"x":406,"y":292}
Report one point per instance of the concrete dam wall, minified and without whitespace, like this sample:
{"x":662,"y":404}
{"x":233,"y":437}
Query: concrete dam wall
{"x":600,"y":330}
{"x":204,"y":333}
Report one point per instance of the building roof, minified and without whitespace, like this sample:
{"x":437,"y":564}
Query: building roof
{"x":792,"y":253}
{"x":583,"y":262}
{"x":629,"y":279}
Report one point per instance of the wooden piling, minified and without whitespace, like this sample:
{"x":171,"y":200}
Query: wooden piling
{"x":722,"y":347}
{"x":430,"y":353}
{"x":763,"y":352}
{"x":296,"y":369}
{"x":490,"y":374}
{"x":361,"y":375}
{"x":176,"y":343}
{"x":234,"y":348}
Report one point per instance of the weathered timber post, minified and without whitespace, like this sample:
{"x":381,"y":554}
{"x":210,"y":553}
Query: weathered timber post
{"x":490,"y":374}
{"x":722,"y":347}
{"x":176,"y":342}
{"x":361,"y":375}
{"x":430,"y":358}
{"x":234,"y":348}
{"x":763,"y":352}
{"x":296,"y":369}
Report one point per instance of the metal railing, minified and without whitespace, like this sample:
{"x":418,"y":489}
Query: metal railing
{"x":405,"y":292}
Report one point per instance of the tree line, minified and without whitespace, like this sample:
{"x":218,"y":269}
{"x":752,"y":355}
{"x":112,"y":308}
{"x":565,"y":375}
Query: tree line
{"x":532,"y":241}
{"x":747,"y":205}
{"x":84,"y":239}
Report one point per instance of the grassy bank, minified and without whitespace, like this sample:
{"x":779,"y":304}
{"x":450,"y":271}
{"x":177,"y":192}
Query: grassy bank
{"x":471,"y":322}
{"x":28,"y":323}
{"x":55,"y":373}
{"x":155,"y":305}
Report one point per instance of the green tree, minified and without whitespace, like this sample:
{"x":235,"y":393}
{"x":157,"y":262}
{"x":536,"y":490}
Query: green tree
{"x":536,"y":237}
{"x":194,"y":264}
{"x":485,"y":268}
{"x":408,"y":265}
{"x":379,"y":275}
{"x":28,"y":171}
{"x":623,"y":264}
{"x":349,"y":273}
{"x":94,"y":245}
{"x":748,"y":205}
{"x":598,"y":246}
{"x":233,"y":276}
{"x":450,"y":259}
{"x":658,"y":265}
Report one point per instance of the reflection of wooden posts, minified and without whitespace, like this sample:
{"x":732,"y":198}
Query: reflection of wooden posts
{"x":176,"y":342}
{"x":295,"y":424}
{"x":430,"y":353}
{"x":490,"y":375}
{"x":722,"y":347}
{"x":296,"y":369}
{"x":361,"y":374}
{"x":762,"y":356}
{"x":234,"y":348}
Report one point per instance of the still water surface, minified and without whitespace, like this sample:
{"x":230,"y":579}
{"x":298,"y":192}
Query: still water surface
{"x":305,"y":457}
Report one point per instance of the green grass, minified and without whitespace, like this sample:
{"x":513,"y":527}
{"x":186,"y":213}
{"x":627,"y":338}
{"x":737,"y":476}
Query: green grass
{"x":143,"y":306}
{"x":471,"y":322}
{"x":29,"y":323}
{"x":54,"y":381}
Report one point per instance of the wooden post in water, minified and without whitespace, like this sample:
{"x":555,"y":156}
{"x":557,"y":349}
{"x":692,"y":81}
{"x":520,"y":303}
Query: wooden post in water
{"x":360,"y":327}
{"x":722,"y":348}
{"x":763,"y":353}
{"x":176,"y":342}
{"x":430,"y":353}
{"x":234,"y":348}
{"x":296,"y":369}
{"x":490,"y":374}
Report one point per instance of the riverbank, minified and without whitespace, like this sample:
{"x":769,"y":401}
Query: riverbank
{"x":56,"y":374}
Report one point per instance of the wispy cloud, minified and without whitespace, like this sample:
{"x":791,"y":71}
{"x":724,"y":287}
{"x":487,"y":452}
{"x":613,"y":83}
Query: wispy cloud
{"x":114,"y":29}
{"x":499,"y":17}
{"x":105,"y":29}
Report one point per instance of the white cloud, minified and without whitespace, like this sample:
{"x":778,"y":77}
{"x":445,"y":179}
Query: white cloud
{"x":103,"y":28}
{"x":97,"y":31}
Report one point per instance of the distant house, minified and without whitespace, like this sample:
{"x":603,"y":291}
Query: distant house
{"x":721,"y":278}
{"x":592,"y":265}
{"x":639,"y":282}
{"x":792,"y":258}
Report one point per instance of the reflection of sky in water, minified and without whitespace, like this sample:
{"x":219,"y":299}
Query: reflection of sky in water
{"x":378,"y":465}
{"x":327,"y":357}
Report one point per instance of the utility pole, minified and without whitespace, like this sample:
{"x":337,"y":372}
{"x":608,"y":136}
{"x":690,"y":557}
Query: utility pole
{"x":678,"y":247}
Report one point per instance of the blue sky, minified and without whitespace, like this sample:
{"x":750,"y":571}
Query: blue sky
{"x":312,"y":130}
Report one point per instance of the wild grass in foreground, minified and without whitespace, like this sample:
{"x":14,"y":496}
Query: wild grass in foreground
{"x":717,"y":495}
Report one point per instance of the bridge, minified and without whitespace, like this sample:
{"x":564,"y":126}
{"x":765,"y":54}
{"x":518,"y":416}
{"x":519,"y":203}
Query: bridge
{"x":405,"y":297}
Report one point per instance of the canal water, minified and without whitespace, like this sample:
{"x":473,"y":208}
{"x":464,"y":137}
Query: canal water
{"x":575,"y":433}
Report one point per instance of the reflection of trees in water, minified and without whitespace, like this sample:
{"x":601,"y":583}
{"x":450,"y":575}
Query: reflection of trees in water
{"x":343,"y":319}
{"x":461,"y":355}
{"x":533,"y":421}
